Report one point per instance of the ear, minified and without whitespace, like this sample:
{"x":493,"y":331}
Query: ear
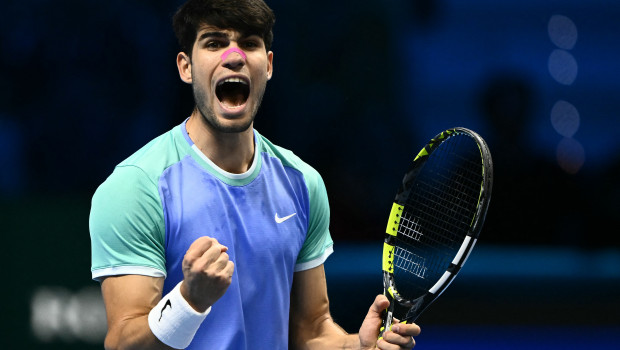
{"x":184,"y":64}
{"x":269,"y":64}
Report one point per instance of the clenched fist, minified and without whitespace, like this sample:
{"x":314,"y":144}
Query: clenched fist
{"x":207,"y":273}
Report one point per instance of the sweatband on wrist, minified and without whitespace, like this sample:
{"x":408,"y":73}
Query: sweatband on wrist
{"x":173,"y":321}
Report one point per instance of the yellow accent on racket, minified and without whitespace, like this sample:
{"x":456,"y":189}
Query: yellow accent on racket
{"x":394,"y":219}
{"x":388,"y":258}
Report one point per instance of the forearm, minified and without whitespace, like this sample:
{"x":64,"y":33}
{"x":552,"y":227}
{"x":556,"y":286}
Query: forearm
{"x":325,"y":334}
{"x":133,"y":333}
{"x":139,"y":317}
{"x":343,"y":341}
{"x":311,"y":325}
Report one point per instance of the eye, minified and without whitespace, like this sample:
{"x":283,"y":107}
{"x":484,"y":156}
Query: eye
{"x":251,"y":44}
{"x":214,"y":44}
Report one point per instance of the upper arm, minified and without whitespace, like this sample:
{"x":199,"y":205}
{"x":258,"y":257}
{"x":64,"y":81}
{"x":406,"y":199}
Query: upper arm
{"x":128,"y":300}
{"x":126,"y":226}
{"x":310,"y":319}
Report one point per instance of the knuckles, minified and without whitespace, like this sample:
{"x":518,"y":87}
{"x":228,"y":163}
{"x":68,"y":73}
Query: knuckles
{"x":205,"y":259}
{"x":203,"y":243}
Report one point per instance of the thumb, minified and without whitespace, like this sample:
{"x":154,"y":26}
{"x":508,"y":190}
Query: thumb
{"x":369,"y":331}
{"x":380,"y":304}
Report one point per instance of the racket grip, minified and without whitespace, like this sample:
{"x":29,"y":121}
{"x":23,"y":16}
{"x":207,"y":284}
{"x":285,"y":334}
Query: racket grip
{"x":386,"y":323}
{"x":387,"y":316}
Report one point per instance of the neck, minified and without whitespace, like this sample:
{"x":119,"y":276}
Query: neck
{"x":232,"y":152}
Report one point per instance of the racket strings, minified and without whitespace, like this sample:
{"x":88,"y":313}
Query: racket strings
{"x":426,"y":264}
{"x":410,"y":262}
{"x":446,"y":215}
{"x":410,"y":228}
{"x":449,"y":202}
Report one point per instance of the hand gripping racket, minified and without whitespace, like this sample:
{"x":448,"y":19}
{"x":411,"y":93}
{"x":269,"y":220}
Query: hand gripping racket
{"x":435,"y":221}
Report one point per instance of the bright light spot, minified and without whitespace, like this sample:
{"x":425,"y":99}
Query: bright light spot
{"x":56,"y":314}
{"x":562,"y":32}
{"x":571,"y":155}
{"x":46,"y":313}
{"x":565,"y":118}
{"x":562,"y":67}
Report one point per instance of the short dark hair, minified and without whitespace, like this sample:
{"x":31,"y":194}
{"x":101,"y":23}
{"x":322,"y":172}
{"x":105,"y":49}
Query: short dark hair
{"x":249,"y":17}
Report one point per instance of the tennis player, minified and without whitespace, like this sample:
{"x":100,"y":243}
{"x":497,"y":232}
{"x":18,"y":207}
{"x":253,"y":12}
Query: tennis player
{"x":210,"y":236}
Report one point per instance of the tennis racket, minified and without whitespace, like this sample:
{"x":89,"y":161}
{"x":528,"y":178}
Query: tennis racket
{"x":435,"y":221}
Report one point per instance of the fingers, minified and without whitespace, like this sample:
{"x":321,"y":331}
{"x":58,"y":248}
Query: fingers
{"x":404,"y":329}
{"x":400,"y":336}
{"x":205,"y":254}
{"x":203,"y":244}
{"x":207,"y":272}
{"x":369,"y":331}
{"x":214,"y":259}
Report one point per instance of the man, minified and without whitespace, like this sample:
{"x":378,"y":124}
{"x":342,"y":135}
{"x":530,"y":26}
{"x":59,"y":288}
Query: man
{"x":210,"y":236}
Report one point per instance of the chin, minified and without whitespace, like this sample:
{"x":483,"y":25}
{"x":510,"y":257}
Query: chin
{"x":225,"y":123}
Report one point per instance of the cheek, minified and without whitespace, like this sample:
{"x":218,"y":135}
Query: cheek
{"x":260,"y":76}
{"x":260,"y":82}
{"x":203,"y":68}
{"x":201,"y":78}
{"x":202,"y":90}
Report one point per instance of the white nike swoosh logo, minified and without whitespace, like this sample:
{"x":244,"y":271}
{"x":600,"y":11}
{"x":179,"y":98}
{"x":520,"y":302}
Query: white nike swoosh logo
{"x":281,"y":220}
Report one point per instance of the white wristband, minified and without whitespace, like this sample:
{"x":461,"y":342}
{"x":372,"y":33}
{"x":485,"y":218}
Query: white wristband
{"x":173,"y":321}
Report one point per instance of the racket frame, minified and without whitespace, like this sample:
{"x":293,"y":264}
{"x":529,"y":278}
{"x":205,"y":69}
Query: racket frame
{"x":417,"y":306}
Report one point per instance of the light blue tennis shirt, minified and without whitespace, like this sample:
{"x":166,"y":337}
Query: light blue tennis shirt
{"x":274,"y":219}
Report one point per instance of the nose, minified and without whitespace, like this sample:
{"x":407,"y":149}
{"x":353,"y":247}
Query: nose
{"x":233,"y":57}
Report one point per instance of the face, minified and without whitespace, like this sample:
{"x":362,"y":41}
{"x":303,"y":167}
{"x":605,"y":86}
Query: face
{"x":228,"y":85}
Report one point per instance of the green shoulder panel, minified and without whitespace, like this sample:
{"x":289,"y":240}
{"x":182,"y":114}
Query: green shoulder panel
{"x":126,"y":219}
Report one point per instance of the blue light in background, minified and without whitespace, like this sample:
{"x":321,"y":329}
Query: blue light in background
{"x":363,"y":260}
{"x":560,"y":50}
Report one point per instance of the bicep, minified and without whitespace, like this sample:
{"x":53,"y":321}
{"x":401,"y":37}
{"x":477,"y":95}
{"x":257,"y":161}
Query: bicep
{"x":128,"y":300}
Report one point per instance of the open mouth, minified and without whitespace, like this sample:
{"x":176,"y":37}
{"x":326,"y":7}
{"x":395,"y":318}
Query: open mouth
{"x":232,"y":92}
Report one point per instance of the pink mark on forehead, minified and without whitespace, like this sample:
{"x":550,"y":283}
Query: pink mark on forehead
{"x":231,"y":50}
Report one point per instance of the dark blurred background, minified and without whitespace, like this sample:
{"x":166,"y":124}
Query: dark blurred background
{"x":358,"y":88}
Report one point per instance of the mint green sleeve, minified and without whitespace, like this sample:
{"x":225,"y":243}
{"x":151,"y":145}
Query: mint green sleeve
{"x":127,"y":226}
{"x":318,"y":244}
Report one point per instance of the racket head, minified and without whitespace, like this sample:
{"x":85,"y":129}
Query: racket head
{"x":435,"y":220}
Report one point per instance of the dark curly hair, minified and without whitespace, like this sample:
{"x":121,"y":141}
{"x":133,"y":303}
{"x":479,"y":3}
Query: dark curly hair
{"x":249,"y":17}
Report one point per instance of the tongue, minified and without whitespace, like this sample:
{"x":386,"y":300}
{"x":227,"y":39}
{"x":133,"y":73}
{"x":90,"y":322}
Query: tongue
{"x":233,"y":99}
{"x":232,"y":95}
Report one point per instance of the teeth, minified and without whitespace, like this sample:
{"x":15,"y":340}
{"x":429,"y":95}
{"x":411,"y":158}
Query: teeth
{"x":232,"y":80}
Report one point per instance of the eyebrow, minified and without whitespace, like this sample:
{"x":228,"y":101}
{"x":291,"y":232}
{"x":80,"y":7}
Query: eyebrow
{"x":215,"y":34}
{"x":223,"y":35}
